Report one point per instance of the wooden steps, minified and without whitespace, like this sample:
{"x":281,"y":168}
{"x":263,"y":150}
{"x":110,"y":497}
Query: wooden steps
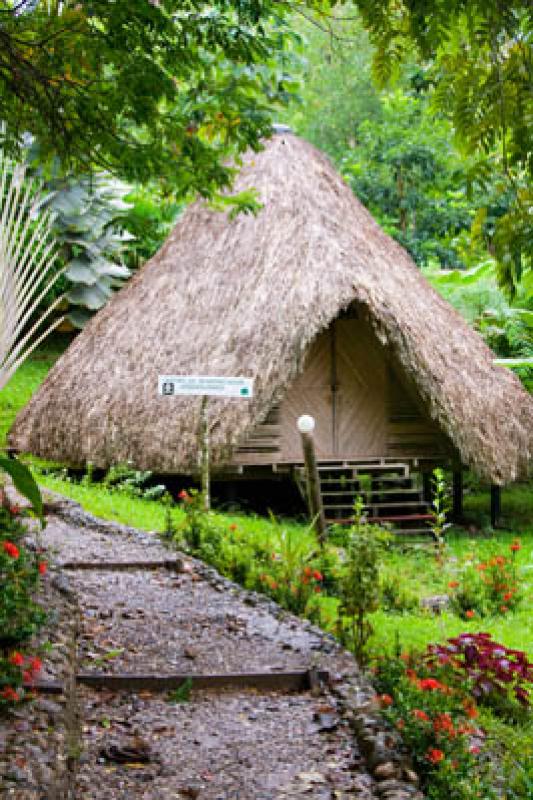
{"x":391,"y":494}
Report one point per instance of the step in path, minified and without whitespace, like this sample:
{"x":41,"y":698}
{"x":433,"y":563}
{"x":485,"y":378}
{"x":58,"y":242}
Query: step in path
{"x":122,"y":605}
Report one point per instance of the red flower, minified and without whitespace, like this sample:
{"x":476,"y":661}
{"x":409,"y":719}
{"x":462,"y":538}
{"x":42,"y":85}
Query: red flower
{"x":183,"y":495}
{"x":469,"y":614}
{"x":435,"y":756}
{"x":470,"y":709}
{"x":419,"y":714}
{"x":35,"y":665}
{"x":385,"y":699}
{"x":41,"y":566}
{"x":17,"y":659}
{"x":515,"y":546}
{"x":9,"y":694}
{"x":443,"y":723}
{"x":475,"y":750}
{"x":14,"y":509}
{"x":318,"y":575}
{"x":233,"y":527}
{"x":11,"y":549}
{"x":428,"y":684}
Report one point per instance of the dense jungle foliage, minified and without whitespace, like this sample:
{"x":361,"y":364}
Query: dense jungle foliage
{"x":425,"y":110}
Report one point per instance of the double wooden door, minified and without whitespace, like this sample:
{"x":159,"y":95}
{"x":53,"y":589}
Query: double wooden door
{"x":343,"y":386}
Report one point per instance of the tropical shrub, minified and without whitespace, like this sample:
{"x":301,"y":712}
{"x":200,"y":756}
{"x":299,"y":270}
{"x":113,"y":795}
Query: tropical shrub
{"x":436,"y":719}
{"x":493,"y":672}
{"x":87,"y":213}
{"x":487,"y":587}
{"x":359,"y":590}
{"x":20,"y":614}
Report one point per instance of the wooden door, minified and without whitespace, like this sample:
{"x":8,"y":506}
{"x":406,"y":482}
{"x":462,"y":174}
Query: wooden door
{"x":359,"y":408}
{"x":310,"y":394}
{"x":343,"y":386}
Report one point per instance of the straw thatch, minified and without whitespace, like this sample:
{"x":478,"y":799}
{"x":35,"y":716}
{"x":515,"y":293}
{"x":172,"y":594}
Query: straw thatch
{"x":246,"y":297}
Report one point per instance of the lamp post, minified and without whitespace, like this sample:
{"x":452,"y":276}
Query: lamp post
{"x":306,"y":426}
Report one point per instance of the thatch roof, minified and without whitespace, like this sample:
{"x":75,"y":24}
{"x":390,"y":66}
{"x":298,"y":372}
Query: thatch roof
{"x":247,"y":296}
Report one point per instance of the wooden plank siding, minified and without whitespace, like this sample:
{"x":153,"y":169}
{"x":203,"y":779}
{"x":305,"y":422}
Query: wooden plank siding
{"x":363,"y":405}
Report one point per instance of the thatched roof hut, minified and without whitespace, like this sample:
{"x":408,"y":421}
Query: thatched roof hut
{"x":250,"y":296}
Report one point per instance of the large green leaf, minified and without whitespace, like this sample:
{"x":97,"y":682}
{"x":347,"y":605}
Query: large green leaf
{"x":92,"y":297}
{"x":24,"y":483}
{"x":80,"y":271}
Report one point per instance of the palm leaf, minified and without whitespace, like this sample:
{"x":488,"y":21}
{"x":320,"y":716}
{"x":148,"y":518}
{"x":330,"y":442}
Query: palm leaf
{"x":27,"y":259}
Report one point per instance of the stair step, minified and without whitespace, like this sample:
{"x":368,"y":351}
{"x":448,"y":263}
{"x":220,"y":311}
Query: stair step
{"x":401,"y":518}
{"x":399,"y":504}
{"x":374,"y":492}
{"x":364,"y":468}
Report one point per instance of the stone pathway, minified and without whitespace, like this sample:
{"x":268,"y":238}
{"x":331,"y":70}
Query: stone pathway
{"x":88,"y":744}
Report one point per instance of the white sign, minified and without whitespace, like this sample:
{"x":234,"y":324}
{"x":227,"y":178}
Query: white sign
{"x":170,"y":385}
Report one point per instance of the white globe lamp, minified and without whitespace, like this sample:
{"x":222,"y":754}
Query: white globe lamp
{"x":306,"y":423}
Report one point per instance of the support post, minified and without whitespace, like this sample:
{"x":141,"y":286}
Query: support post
{"x":204,"y":451}
{"x":457,"y":508}
{"x":495,"y":505}
{"x":306,"y":426}
{"x":427,"y":489}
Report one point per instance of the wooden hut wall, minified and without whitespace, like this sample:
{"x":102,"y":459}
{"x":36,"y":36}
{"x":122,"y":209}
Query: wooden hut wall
{"x":363,"y":407}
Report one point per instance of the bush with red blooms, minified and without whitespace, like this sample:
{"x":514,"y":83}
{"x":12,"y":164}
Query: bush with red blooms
{"x":20,"y":616}
{"x":436,"y":719}
{"x":491,"y":586}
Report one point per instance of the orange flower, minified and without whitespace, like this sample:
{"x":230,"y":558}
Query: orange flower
{"x":385,"y":699}
{"x":470,"y":613}
{"x":443,"y":723}
{"x":400,"y":724}
{"x":308,"y":572}
{"x":470,"y":709}
{"x":508,"y":595}
{"x":481,"y":567}
{"x":41,"y":566}
{"x":515,"y":546}
{"x":419,"y":714}
{"x":233,"y":527}
{"x":453,"y":584}
{"x":435,"y":756}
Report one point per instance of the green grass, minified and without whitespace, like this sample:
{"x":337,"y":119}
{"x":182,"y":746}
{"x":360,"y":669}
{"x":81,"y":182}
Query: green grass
{"x":415,"y":569}
{"x":27,"y":379}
